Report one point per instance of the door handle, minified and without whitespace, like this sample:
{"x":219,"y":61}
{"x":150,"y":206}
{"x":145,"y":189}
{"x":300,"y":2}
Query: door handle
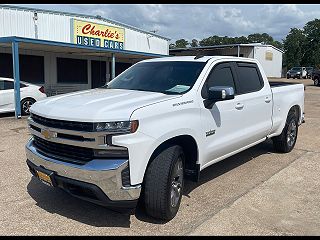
{"x":267,"y":99}
{"x":239,"y":106}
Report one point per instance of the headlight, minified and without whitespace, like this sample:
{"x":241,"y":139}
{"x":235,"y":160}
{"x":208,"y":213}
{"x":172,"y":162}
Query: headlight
{"x":121,"y":126}
{"x":298,"y":72}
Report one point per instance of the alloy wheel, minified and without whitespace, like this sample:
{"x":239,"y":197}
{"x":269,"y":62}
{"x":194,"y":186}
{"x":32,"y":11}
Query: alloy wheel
{"x":177,"y":183}
{"x":292,"y":133}
{"x":26,"y":106}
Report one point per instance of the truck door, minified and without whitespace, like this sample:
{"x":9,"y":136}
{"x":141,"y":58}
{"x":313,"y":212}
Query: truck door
{"x":233,"y":124}
{"x":222,"y":123}
{"x":255,"y":98}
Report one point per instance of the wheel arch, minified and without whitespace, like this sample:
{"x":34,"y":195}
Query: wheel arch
{"x":25,"y":98}
{"x":296,"y":109}
{"x":191,"y":151}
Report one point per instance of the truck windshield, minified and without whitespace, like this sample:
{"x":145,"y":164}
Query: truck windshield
{"x":165,"y":77}
{"x":296,"y":69}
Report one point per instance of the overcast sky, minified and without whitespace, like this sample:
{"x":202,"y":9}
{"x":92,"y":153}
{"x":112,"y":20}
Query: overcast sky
{"x":187,"y":21}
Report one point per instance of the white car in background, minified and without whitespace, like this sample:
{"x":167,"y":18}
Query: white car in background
{"x":29,"y":94}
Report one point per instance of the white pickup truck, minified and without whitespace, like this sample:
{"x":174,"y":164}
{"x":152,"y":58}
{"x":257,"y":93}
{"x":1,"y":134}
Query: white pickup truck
{"x":158,"y":123}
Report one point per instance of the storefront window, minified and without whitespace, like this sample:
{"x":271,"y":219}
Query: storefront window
{"x":71,"y":70}
{"x":31,"y":67}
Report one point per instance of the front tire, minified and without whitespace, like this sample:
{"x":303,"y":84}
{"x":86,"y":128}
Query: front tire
{"x":164,"y":183}
{"x":316,"y":82}
{"x":25,"y":105}
{"x":287,"y":139}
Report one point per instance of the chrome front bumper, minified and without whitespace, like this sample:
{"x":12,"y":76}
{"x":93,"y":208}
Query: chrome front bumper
{"x":105,"y":174}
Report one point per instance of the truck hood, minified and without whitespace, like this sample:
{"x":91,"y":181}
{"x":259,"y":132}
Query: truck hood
{"x":97,"y":105}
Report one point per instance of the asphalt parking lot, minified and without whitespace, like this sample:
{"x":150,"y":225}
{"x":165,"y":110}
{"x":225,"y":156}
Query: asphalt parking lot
{"x":256,"y":192}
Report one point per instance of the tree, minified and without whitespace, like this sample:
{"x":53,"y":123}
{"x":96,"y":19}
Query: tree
{"x":294,"y":47}
{"x":181,"y":43}
{"x":260,"y":38}
{"x":312,"y":45}
{"x":194,"y":43}
{"x":210,"y":41}
{"x":242,"y":39}
{"x":252,"y":38}
{"x":277,"y":44}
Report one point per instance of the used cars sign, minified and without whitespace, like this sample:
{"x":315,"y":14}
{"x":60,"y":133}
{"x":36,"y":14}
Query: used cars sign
{"x":97,"y":35}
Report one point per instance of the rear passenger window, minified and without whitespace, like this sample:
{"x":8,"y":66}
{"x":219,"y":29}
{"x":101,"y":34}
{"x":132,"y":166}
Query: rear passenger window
{"x":8,"y":85}
{"x":5,"y":85}
{"x":249,"y":79}
{"x":1,"y":85}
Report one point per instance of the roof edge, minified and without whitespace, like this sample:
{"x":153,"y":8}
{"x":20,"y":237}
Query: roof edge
{"x":82,"y":15}
{"x":11,"y":39}
{"x":227,"y":45}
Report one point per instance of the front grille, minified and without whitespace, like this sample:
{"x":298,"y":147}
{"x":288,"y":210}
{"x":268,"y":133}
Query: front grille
{"x":63,"y":152}
{"x":68,"y":136}
{"x":63,"y":124}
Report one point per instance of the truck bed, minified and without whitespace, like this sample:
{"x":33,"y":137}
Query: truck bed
{"x":280,"y":84}
{"x":285,"y":95}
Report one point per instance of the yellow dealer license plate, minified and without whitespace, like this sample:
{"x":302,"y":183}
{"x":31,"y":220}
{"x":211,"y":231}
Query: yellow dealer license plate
{"x":44,"y":178}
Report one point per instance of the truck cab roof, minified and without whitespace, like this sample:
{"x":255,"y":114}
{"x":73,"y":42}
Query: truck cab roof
{"x":198,"y":59}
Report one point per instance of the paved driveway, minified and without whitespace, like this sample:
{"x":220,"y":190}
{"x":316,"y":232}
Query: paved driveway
{"x":254,"y":192}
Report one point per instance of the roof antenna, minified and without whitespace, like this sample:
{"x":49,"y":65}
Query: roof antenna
{"x":198,"y":56}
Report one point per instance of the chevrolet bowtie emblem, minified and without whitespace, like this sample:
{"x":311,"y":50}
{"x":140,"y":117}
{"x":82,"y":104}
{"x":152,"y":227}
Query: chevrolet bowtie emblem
{"x":48,"y":134}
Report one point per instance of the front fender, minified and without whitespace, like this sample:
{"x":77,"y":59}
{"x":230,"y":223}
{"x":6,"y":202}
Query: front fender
{"x":158,"y":123}
{"x":141,"y":147}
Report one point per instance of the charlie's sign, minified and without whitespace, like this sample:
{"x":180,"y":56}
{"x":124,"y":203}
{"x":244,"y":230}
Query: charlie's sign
{"x":97,"y":35}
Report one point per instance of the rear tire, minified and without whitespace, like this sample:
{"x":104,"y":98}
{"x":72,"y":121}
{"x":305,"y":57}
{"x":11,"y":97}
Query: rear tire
{"x":164,"y":183}
{"x":25,"y":105}
{"x":316,"y":82}
{"x":287,"y":139}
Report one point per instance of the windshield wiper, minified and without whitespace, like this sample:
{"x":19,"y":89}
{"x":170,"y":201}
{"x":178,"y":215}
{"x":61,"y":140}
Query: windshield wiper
{"x":170,"y":93}
{"x":144,"y":90}
{"x":104,"y":86}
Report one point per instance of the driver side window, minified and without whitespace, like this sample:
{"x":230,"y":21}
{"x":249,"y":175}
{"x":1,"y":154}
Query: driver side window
{"x":220,"y":75}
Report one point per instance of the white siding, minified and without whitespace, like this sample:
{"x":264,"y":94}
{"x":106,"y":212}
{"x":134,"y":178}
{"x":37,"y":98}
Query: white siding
{"x":55,"y":27}
{"x":141,"y":42}
{"x":16,"y":23}
{"x":272,"y":68}
{"x":50,"y":69}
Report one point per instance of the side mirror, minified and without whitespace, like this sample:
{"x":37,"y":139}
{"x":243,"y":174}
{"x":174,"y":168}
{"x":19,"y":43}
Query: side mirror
{"x":220,"y":93}
{"x":216,"y":94}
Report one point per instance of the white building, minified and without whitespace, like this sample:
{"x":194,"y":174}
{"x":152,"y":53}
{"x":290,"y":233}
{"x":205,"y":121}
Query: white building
{"x":66,"y":52}
{"x":269,"y":56}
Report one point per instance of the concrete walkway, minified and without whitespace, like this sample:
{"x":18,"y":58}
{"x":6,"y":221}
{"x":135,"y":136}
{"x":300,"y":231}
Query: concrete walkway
{"x":286,"y":204}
